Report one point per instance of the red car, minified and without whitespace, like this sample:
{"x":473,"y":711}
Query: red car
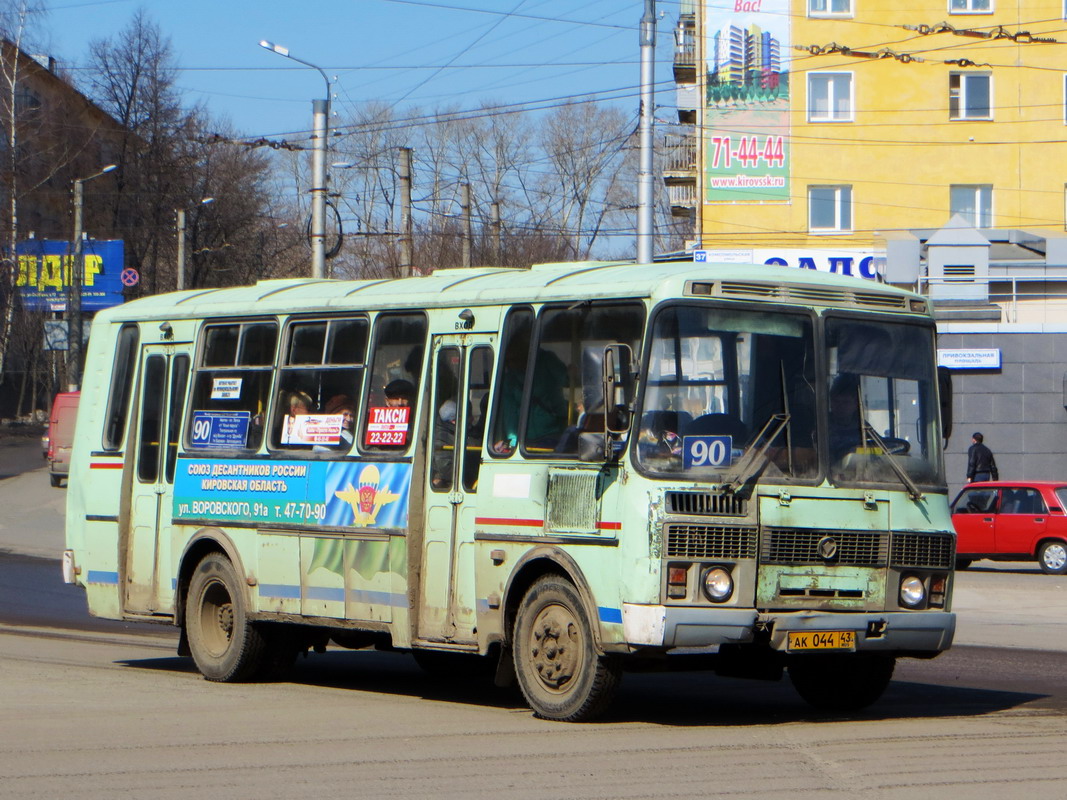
{"x":1012,"y":521}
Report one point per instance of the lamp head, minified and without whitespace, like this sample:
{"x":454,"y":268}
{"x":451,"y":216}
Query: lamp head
{"x":277,"y":48}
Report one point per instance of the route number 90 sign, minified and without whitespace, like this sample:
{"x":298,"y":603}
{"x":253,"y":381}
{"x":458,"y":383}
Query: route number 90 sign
{"x":707,"y":451}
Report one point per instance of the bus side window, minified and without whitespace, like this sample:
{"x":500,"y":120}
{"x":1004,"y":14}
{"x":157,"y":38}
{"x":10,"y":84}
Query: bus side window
{"x":318,"y":385}
{"x":479,"y":373}
{"x":392,"y":389}
{"x":118,"y":403}
{"x":232,"y":385}
{"x":446,"y":402}
{"x":510,"y":383}
{"x":570,"y":340}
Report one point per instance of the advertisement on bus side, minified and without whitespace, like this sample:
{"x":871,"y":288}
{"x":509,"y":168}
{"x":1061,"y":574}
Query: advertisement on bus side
{"x":317,"y":493}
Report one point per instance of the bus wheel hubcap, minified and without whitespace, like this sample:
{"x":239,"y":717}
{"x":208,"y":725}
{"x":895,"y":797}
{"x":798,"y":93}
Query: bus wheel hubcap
{"x":225,"y":620}
{"x":556,"y":647}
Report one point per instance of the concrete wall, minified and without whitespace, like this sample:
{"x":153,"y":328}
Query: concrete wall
{"x":1018,"y":408}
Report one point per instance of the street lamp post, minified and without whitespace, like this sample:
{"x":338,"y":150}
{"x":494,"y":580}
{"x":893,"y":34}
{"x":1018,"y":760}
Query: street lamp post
{"x":645,"y":169}
{"x":179,"y":282}
{"x":77,"y":270}
{"x":320,"y":143}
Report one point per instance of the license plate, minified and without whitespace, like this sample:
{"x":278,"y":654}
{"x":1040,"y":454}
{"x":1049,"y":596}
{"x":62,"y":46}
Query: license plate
{"x":821,"y":640}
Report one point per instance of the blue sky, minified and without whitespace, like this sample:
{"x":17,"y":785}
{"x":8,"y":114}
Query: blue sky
{"x":426,"y":52}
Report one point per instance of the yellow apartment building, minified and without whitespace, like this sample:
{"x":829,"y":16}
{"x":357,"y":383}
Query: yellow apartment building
{"x":832,"y":123}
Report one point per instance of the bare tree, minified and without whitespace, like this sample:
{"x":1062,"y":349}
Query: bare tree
{"x":133,"y":77}
{"x":584,"y":144}
{"x":16,"y":18}
{"x":368,"y":192}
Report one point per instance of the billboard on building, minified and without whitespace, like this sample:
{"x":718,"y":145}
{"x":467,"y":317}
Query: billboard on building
{"x":746,"y":119}
{"x":44,"y":272}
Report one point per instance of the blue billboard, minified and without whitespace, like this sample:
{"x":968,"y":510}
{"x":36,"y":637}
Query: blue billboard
{"x":45,"y":271}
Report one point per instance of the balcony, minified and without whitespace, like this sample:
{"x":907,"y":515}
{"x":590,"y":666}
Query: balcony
{"x":683,"y":200}
{"x":679,"y":156}
{"x":685,"y":49}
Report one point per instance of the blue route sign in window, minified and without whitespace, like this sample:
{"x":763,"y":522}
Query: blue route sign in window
{"x":220,"y":429}
{"x":707,"y":451}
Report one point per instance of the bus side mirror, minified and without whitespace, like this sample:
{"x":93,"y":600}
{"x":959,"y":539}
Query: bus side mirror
{"x":619,"y":382}
{"x":944,"y":392}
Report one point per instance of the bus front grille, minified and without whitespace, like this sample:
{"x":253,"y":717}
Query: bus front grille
{"x":709,"y":541}
{"x":806,"y":546}
{"x":923,"y":550}
{"x":702,"y":504}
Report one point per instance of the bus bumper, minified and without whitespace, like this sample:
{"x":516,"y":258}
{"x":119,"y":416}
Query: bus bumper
{"x":885,"y":632}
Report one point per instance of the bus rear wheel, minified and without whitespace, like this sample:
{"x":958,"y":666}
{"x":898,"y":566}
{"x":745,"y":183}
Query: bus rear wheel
{"x":841,"y":682}
{"x":559,"y":671}
{"x":225,"y":645}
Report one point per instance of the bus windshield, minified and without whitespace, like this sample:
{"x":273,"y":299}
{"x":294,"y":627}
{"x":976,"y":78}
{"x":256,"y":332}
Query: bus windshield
{"x":883,"y":414}
{"x":722,"y":384}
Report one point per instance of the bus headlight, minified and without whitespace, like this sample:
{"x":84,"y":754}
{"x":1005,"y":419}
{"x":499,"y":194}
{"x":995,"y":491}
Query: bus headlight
{"x":912,"y":591}
{"x":718,"y":584}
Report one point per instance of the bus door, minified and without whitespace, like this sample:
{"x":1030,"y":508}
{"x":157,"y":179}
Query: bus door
{"x":462,"y":368}
{"x":157,"y":425}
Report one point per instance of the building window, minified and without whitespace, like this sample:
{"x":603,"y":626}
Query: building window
{"x":973,"y":202}
{"x":829,"y":209}
{"x":970,"y":6}
{"x":827,"y":8}
{"x":969,"y":95}
{"x":830,"y":97}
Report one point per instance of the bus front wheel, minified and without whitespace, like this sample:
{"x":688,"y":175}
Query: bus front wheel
{"x":559,"y":671}
{"x":225,"y":645}
{"x":840,"y":682}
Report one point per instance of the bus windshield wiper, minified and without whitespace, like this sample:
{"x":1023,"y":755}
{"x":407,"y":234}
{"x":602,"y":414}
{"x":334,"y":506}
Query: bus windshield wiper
{"x":756,"y":458}
{"x":867,"y":431}
{"x":909,"y":484}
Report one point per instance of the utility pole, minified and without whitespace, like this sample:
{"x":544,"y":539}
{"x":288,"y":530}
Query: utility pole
{"x":406,"y":243}
{"x":320,"y":113}
{"x":179,"y":281}
{"x":320,"y":142}
{"x":74,"y":307}
{"x":77,"y":271}
{"x":498,"y":256}
{"x":645,"y":177}
{"x":468,"y":234}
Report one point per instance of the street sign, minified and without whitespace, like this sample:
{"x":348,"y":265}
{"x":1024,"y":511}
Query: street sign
{"x":129,"y":277}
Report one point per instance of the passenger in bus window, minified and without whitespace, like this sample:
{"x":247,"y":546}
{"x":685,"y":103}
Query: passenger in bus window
{"x":299,"y":404}
{"x":444,"y":440}
{"x":547,"y":416}
{"x":844,"y":416}
{"x":342,"y":404}
{"x":399,"y":393}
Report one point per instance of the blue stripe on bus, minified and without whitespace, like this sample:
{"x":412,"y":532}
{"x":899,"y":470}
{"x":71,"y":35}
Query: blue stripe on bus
{"x":282,"y":590}
{"x":370,"y":598}
{"x":324,"y":593}
{"x":292,"y":592}
{"x":610,"y":614}
{"x":100,"y":576}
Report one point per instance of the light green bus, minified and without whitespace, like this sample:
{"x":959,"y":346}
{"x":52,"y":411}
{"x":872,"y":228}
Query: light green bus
{"x":566,"y":471}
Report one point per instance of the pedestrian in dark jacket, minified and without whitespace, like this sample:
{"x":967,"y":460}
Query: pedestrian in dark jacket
{"x":981,"y":466}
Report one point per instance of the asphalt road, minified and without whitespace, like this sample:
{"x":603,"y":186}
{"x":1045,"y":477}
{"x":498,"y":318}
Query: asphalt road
{"x":102,"y":709}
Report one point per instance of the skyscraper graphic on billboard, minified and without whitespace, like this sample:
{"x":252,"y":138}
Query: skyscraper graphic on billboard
{"x":746,"y":121}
